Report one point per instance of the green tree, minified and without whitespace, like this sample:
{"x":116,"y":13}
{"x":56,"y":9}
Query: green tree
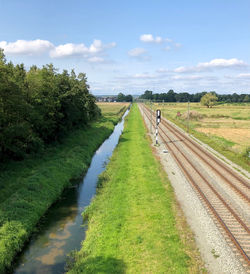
{"x":209,"y":99}
{"x":121,"y":97}
{"x":39,"y":106}
{"x":129,"y":98}
{"x":246,"y":99}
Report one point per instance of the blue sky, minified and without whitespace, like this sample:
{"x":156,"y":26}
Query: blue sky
{"x":130,"y":46}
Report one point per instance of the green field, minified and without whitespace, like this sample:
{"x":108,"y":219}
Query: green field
{"x":29,"y":187}
{"x":225,"y":127}
{"x":133,"y":225}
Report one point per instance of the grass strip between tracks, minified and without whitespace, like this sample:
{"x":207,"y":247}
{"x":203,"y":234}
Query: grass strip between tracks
{"x":28,"y":188}
{"x":133,"y":225}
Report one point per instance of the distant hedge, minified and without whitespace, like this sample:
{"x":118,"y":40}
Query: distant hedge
{"x":172,"y":96}
{"x":39,"y":105}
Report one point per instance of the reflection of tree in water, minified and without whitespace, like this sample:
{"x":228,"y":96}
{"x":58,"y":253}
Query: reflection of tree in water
{"x":64,"y":209}
{"x":53,"y":228}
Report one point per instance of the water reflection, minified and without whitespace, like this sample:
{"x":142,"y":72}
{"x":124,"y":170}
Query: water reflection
{"x":61,"y":230}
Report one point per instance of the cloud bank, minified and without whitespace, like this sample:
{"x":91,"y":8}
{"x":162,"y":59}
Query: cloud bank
{"x":213,"y":64}
{"x":37,"y":47}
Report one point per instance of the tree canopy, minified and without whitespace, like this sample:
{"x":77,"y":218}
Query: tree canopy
{"x":124,"y":98}
{"x":172,"y":96}
{"x":209,"y":99}
{"x":39,"y":105}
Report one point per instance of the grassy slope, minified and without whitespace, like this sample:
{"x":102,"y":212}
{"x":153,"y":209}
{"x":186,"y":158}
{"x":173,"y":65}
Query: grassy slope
{"x":132,"y":226}
{"x":28,"y":188}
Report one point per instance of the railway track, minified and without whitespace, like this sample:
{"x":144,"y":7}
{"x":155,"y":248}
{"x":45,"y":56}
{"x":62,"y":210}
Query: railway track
{"x":224,"y":193}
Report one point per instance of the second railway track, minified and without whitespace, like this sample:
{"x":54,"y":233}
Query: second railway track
{"x":228,"y":205}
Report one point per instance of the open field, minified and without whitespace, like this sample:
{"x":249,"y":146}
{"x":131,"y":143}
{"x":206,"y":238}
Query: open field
{"x":133,"y":226}
{"x":111,"y":108}
{"x":225,"y":127}
{"x":29,"y":187}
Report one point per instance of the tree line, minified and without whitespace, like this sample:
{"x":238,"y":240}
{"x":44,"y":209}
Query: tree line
{"x":172,"y":96}
{"x":124,"y":98}
{"x":39,"y":106}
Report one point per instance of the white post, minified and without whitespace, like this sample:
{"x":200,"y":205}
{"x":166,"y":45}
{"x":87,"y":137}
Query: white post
{"x":158,"y":119}
{"x":151,"y":117}
{"x":156,"y":135}
{"x":188,"y":117}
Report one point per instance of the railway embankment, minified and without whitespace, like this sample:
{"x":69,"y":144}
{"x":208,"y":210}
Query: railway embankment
{"x":134,"y":222}
{"x":213,"y":196}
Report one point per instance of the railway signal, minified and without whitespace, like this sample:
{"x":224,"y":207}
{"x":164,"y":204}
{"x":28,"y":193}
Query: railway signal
{"x":158,"y":120}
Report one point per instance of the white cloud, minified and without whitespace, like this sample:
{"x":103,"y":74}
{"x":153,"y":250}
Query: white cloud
{"x":136,"y":52}
{"x":244,"y":75}
{"x":33,"y":47}
{"x":213,"y":64}
{"x":189,"y":77}
{"x":149,"y":38}
{"x":162,"y":70}
{"x":96,"y":59}
{"x":178,"y":45}
{"x":168,"y":48}
{"x":69,"y":50}
{"x":27,"y":47}
{"x":96,"y":46}
{"x":80,"y":49}
{"x":143,"y":76}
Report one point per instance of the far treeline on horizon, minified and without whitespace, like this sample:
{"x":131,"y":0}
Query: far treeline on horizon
{"x":172,"y":96}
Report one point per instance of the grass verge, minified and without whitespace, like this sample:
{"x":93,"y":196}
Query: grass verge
{"x":132,"y":222}
{"x":28,"y":188}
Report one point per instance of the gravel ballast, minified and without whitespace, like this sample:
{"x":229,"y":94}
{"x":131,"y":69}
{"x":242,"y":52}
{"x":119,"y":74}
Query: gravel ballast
{"x":215,"y":251}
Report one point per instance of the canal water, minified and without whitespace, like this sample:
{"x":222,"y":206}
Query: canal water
{"x":61,"y":230}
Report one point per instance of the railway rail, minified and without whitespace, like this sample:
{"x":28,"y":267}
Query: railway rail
{"x":232,"y":220}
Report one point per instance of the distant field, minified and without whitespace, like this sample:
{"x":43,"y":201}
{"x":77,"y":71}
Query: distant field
{"x":225,"y":126}
{"x":111,"y":108}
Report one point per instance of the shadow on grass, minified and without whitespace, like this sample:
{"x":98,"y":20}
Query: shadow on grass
{"x":122,"y":140}
{"x":101,"y":265}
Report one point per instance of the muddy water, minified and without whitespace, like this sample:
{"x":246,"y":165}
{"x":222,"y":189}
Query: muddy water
{"x":61,"y":230}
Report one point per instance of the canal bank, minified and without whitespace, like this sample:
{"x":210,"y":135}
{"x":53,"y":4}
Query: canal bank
{"x":62,"y":231}
{"x":134,"y":222}
{"x":31,"y":186}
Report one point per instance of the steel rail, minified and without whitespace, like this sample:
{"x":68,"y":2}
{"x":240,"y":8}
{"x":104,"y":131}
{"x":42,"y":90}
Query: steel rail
{"x":181,"y":135}
{"x":216,"y":214}
{"x":231,"y":172}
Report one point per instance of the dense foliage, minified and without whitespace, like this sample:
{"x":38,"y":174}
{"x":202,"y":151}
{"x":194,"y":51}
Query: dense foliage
{"x":171,"y":96}
{"x":124,"y":98}
{"x":39,"y":105}
{"x":209,"y":99}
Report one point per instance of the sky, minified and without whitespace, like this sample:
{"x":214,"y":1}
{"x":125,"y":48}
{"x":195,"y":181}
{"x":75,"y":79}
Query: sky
{"x":131,"y":46}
